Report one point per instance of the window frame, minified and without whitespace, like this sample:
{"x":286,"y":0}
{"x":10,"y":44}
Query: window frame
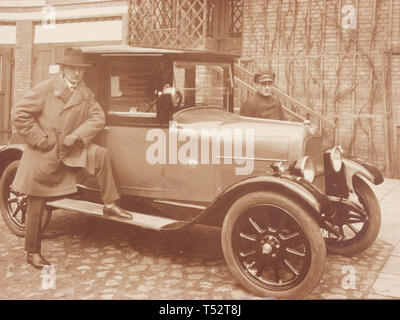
{"x":166,"y":67}
{"x":227,"y":77}
{"x":125,"y":120}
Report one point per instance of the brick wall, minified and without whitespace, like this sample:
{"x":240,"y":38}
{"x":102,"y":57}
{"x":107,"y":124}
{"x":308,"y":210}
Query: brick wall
{"x":332,"y":69}
{"x":23,"y":59}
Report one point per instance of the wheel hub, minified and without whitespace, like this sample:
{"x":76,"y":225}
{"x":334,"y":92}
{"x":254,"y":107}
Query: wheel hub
{"x":270,"y":246}
{"x":266,"y":248}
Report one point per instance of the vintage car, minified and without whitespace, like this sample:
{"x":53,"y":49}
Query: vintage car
{"x":182,"y":156}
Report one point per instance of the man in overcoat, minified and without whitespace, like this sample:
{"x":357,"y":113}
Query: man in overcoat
{"x":59,"y":118}
{"x":263,"y":105}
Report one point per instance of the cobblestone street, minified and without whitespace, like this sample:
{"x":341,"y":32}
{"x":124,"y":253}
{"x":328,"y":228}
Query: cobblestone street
{"x":132,"y":121}
{"x":97,"y":259}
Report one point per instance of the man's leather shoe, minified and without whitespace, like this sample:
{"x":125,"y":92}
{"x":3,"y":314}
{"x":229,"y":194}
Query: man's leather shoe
{"x":36,"y":260}
{"x":116,"y":211}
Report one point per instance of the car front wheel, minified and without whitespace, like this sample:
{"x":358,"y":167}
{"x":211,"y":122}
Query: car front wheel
{"x":13,"y":204}
{"x":272,"y":246}
{"x":358,"y":230}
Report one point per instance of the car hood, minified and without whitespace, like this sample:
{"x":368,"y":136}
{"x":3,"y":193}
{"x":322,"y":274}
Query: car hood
{"x":272,"y":138}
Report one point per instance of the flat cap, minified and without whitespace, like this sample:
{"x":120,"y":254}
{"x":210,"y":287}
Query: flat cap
{"x":264,"y":76}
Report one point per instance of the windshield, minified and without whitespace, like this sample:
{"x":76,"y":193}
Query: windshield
{"x":203,"y":84}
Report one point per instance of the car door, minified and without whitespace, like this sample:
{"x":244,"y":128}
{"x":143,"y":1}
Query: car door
{"x":129,"y":96}
{"x":205,"y":87}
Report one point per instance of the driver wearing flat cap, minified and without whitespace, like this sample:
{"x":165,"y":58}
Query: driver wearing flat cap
{"x":263,"y":105}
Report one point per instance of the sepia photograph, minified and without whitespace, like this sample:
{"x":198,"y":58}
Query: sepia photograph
{"x":201,"y":154}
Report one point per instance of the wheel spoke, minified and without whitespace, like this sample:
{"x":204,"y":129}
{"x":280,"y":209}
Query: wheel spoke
{"x":291,"y":268}
{"x":355,"y":221}
{"x":17,"y":209}
{"x":332,"y":235}
{"x":289,"y":236}
{"x":247,"y":254}
{"x":341,"y":231}
{"x":248,"y":236}
{"x":23,"y":217}
{"x":250,"y":265}
{"x":256,"y":226}
{"x":295,"y":252}
{"x":351,"y":227}
{"x":356,"y":217}
{"x":356,"y":214}
{"x":12,"y":200}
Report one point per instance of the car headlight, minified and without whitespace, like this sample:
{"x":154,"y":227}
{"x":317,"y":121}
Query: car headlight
{"x":307,"y":169}
{"x":304,"y":167}
{"x":336,"y":158}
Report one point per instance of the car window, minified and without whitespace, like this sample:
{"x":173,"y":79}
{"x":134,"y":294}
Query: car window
{"x":132,"y":88}
{"x":203,"y":84}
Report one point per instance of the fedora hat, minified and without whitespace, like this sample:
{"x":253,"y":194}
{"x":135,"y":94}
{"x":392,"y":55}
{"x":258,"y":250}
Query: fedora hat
{"x":74,"y":57}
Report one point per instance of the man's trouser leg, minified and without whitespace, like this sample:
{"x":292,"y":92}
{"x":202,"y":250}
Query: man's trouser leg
{"x":104,"y":176}
{"x":34,"y":213}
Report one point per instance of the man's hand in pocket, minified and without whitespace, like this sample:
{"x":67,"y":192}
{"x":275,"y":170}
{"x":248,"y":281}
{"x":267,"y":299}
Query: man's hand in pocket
{"x":70,"y":140}
{"x":44,"y":144}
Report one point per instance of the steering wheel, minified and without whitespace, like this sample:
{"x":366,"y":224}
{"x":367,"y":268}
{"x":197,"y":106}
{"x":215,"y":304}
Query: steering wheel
{"x":176,"y":102}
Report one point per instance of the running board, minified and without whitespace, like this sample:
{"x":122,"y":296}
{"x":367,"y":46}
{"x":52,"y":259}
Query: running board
{"x":138,"y":219}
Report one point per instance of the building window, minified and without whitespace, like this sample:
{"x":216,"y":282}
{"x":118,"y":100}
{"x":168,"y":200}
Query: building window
{"x":210,"y":18}
{"x":235,"y":18}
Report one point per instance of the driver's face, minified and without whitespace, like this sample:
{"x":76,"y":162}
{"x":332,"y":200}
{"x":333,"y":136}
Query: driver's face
{"x":265,"y":88}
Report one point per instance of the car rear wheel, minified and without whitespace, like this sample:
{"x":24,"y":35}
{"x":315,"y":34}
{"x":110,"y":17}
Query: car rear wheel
{"x":358,"y":230}
{"x":13,"y":204}
{"x":272,"y":246}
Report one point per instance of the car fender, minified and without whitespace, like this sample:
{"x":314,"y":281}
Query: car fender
{"x":357,"y":167}
{"x":294,"y":187}
{"x":9,"y":153}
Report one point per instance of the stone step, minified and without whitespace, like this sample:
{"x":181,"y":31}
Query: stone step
{"x":138,"y":219}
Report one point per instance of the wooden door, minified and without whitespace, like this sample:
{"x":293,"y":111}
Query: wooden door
{"x":6,"y":56}
{"x":43,"y":57}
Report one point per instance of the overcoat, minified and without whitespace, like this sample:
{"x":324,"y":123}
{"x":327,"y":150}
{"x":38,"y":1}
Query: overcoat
{"x":265,"y":107}
{"x":50,"y":111}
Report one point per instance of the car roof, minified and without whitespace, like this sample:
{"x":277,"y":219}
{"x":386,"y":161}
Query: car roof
{"x":120,"y":49}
